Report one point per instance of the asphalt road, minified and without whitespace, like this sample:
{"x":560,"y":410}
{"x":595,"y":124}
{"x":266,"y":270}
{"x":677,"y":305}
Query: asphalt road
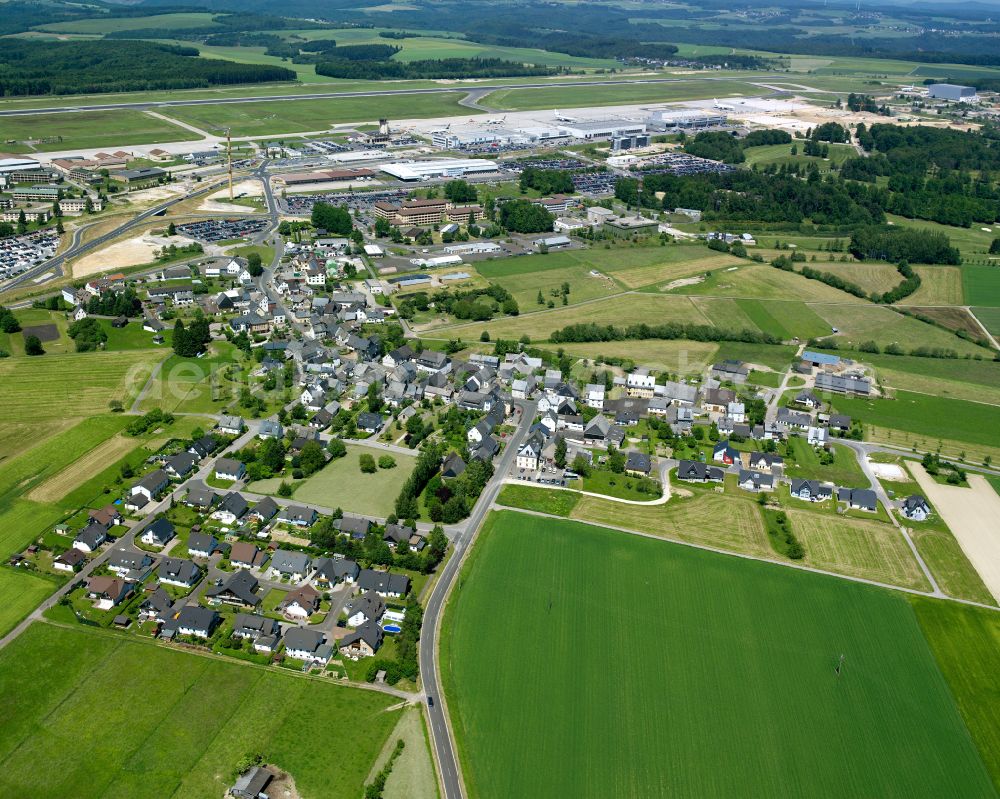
{"x":440,"y":729}
{"x":369,"y":93}
{"x":77,"y":249}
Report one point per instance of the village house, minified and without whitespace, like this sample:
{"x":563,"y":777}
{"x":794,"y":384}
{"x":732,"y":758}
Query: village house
{"x":238,"y":589}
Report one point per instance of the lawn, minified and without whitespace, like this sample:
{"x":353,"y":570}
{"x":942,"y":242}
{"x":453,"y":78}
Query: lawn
{"x":20,"y":593}
{"x":782,"y":154}
{"x":804,"y":462}
{"x":926,"y":415}
{"x":966,"y":644}
{"x":178,"y":723}
{"x":341,"y":483}
{"x":298,"y":116}
{"x":621,"y":486}
{"x":718,"y":665}
{"x":86,"y":129}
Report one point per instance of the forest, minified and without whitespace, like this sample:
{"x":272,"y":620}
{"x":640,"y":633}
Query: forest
{"x":32,"y":67}
{"x":427,"y":68}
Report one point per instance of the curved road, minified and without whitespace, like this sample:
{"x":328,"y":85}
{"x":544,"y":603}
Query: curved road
{"x":77,"y":249}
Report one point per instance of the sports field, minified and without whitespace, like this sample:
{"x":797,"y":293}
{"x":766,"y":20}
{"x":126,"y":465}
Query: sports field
{"x":111,"y":717}
{"x":624,"y":667}
{"x":342,"y":484}
{"x":85,"y":129}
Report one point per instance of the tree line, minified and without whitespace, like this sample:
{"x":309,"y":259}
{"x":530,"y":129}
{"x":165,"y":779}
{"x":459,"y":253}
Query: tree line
{"x":428,"y":68}
{"x":590,"y":332}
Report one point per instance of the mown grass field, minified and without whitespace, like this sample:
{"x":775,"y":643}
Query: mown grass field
{"x":939,"y":285}
{"x":341,"y":483}
{"x":966,"y":643}
{"x":157,"y":722}
{"x":990,"y":318}
{"x":298,"y":116}
{"x":676,"y":357}
{"x":570,"y":96}
{"x":85,"y":129}
{"x":558,"y":503}
{"x":57,"y":386}
{"x":621,"y":310}
{"x":858,"y":548}
{"x":804,"y":462}
{"x":762,"y":281}
{"x":862,"y":322}
{"x":547,"y":276}
{"x":715,"y":666}
{"x":926,"y":415}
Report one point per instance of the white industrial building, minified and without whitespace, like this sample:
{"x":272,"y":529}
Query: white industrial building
{"x":952,"y":92}
{"x":685,"y":119}
{"x":473,"y":248}
{"x":602,"y":128}
{"x":354,"y":156}
{"x":477,"y":136}
{"x":8,"y":165}
{"x":439,"y":168}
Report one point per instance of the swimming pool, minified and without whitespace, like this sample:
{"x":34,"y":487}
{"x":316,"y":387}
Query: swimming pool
{"x":392,"y":628}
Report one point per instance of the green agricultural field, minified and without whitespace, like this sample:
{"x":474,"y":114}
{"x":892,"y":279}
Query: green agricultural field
{"x":775,"y":356}
{"x":926,"y":415}
{"x":98,"y":25}
{"x":966,"y":644}
{"x":973,"y":242}
{"x":547,"y":276}
{"x":342,"y":484}
{"x":990,"y":319}
{"x":86,"y":129}
{"x":784,"y":319}
{"x":20,"y":593}
{"x":572,"y":96}
{"x":299,"y":116}
{"x":957,"y":378}
{"x":720,"y":664}
{"x":203,"y":714}
{"x":57,"y":386}
{"x":981,"y":285}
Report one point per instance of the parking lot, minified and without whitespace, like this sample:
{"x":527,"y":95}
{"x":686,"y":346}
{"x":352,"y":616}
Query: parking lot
{"x":362,"y":201}
{"x":679,"y":164}
{"x":20,"y":253}
{"x":212,"y":230}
